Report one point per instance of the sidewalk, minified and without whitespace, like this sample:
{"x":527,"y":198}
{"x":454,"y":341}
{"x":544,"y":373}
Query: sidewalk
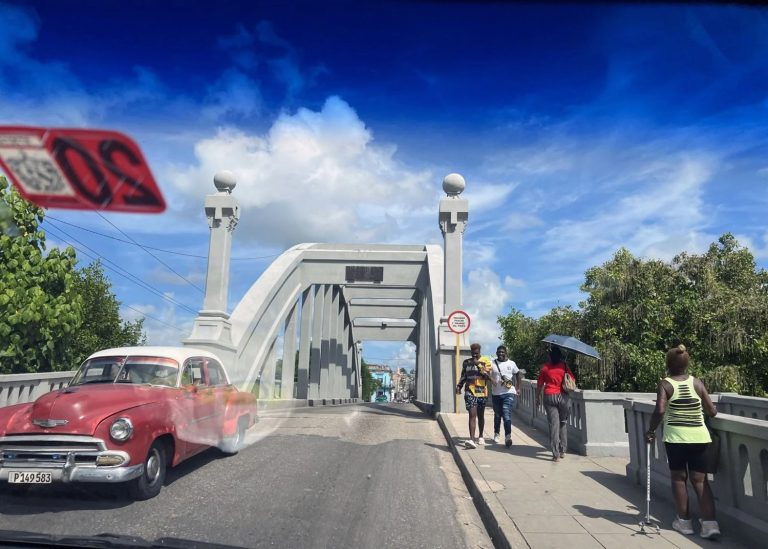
{"x":527,"y":500}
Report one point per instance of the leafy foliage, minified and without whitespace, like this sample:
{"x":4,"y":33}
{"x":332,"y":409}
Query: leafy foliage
{"x":52,"y":315}
{"x":370,"y":384}
{"x":102,"y":327}
{"x":715,"y":303}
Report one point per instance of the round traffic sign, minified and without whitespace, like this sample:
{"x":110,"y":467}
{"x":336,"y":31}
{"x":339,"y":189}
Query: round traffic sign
{"x":458,"y":322}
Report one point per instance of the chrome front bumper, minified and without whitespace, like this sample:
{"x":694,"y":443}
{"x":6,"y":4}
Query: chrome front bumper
{"x":67,"y":458}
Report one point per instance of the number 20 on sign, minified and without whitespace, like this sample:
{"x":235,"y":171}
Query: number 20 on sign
{"x":79,"y":169}
{"x":458,"y":323}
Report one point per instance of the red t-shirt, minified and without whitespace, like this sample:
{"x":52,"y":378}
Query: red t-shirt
{"x":552,"y":375}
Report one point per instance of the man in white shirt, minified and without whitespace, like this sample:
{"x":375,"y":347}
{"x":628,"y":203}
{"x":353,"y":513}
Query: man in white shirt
{"x":505,"y":379}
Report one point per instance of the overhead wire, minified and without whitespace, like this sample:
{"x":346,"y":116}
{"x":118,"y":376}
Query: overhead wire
{"x":181,"y":276}
{"x":162,"y":250}
{"x":121,"y":271}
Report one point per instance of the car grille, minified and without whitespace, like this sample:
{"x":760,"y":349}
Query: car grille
{"x":53,"y":450}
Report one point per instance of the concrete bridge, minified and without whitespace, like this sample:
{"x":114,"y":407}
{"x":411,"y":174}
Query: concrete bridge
{"x":320,"y":302}
{"x":315,"y":306}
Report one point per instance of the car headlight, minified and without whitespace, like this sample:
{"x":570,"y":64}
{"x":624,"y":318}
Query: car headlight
{"x":121,"y":429}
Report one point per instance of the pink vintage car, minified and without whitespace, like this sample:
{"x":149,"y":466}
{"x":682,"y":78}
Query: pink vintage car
{"x":126,"y":415}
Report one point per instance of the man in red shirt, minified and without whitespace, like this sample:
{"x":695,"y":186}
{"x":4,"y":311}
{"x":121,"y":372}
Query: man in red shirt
{"x":556,"y":401}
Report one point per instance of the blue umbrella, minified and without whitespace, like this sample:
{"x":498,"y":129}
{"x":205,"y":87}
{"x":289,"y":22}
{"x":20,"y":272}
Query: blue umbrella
{"x":572,"y":344}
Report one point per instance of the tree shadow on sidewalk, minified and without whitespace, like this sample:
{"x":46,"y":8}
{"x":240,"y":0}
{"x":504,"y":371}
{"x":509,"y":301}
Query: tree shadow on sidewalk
{"x":521,"y":450}
{"x":619,"y":485}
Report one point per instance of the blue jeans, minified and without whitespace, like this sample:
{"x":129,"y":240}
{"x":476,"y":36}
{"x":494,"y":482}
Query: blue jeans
{"x":502,"y":408}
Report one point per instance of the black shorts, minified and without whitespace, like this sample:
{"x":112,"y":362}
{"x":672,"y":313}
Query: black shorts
{"x":683,"y":457}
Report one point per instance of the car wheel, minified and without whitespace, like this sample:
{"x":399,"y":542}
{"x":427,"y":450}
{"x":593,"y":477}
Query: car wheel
{"x":234,"y":444}
{"x":151,"y":481}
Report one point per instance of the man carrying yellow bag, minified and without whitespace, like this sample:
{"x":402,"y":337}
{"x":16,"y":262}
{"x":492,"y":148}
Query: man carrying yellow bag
{"x":475,"y":376}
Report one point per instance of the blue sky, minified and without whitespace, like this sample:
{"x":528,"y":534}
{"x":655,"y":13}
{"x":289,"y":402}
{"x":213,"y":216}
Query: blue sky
{"x":579,"y":129}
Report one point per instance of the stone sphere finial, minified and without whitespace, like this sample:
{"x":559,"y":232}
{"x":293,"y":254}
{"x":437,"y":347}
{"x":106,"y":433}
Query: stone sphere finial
{"x":453,"y":184}
{"x":225,"y":181}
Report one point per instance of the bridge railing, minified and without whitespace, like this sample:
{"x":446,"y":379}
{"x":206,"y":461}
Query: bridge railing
{"x":740,"y":486}
{"x":21,"y":388}
{"x":596,"y":424}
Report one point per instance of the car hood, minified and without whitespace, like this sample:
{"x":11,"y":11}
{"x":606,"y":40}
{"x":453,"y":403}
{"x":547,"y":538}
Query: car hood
{"x":81,"y":407}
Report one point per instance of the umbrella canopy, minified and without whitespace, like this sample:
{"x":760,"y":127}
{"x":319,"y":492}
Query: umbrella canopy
{"x":572,"y":344}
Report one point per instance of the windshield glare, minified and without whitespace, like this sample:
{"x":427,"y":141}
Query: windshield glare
{"x":132,"y":369}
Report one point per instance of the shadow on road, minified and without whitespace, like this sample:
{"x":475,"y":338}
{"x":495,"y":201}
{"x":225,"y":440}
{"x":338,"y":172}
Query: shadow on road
{"x":405,"y":410}
{"x":57,"y":498}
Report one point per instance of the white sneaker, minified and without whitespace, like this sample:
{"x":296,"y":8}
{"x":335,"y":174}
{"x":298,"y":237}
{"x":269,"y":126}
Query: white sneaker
{"x":469,"y":444}
{"x":496,"y":438}
{"x":709,"y":529}
{"x":683,"y":526}
{"x":481,"y":441}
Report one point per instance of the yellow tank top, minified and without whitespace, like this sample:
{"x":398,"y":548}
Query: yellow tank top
{"x":684,"y":418}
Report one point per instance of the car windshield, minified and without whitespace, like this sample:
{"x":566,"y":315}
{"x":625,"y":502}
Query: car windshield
{"x":150,"y":370}
{"x":316,"y":206}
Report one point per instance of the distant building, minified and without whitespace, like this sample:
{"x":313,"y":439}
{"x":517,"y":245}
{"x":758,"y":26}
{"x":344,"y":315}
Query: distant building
{"x":402,"y":385}
{"x":384,"y":375}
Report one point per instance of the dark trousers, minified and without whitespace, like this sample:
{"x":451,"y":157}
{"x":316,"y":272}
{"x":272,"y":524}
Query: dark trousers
{"x":557,"y":408}
{"x":502,"y":409}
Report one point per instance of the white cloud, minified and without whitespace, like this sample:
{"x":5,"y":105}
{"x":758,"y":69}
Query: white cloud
{"x":315,"y":176}
{"x":667,"y":203}
{"x":485,"y":299}
{"x":164,"y":327}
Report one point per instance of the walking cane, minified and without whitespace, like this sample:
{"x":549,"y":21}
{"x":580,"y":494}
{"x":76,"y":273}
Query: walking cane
{"x":647,"y":522}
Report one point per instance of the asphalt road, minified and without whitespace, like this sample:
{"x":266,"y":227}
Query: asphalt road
{"x":348,"y":476}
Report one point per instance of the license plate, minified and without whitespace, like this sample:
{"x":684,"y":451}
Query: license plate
{"x":29,"y":477}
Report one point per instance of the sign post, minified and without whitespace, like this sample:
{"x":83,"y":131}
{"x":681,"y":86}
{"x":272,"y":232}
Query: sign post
{"x":458,"y":323}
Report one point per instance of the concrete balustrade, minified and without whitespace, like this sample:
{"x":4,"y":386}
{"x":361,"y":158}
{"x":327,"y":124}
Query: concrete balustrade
{"x":596,"y":424}
{"x":743,"y":406}
{"x":740,"y":486}
{"x":20,"y":388}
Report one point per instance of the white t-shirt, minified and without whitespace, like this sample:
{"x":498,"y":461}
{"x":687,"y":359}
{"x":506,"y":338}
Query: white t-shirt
{"x":507,"y":368}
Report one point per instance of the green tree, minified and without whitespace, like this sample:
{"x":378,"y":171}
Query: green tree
{"x":40,"y":309}
{"x":370,"y":384}
{"x":101,"y":327}
{"x":715,"y":303}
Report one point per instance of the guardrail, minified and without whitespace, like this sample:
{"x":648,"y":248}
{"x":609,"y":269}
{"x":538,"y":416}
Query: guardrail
{"x":21,"y":388}
{"x":596,"y":424}
{"x":740,"y":486}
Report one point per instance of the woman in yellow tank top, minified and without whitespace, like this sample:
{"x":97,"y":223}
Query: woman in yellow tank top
{"x":681,"y":401}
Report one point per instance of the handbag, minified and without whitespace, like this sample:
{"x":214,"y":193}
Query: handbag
{"x":505,"y":381}
{"x":569,"y":384}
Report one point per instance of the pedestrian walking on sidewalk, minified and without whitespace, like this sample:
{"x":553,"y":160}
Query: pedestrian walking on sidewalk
{"x":681,"y":401}
{"x":556,"y":401}
{"x":475,"y":375}
{"x":505,"y":383}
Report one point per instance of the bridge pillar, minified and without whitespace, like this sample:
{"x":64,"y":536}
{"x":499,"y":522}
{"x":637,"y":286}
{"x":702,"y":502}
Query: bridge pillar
{"x":212,"y":328}
{"x":317,"y":337}
{"x":454,"y":213}
{"x":305,"y":338}
{"x":325,"y":344}
{"x":289,"y":354}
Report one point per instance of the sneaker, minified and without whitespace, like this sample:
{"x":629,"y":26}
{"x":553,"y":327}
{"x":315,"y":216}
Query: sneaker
{"x":481,"y":441}
{"x":709,"y":529}
{"x":469,"y":444}
{"x":496,"y":438}
{"x":508,"y":441}
{"x":683,"y":526}
{"x":562,"y":455}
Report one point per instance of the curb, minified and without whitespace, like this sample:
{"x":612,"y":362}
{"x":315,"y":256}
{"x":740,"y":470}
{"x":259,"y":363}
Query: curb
{"x":501,"y":528}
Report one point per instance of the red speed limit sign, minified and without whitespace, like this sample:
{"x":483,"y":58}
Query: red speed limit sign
{"x":458,"y":322}
{"x":79,"y":169}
